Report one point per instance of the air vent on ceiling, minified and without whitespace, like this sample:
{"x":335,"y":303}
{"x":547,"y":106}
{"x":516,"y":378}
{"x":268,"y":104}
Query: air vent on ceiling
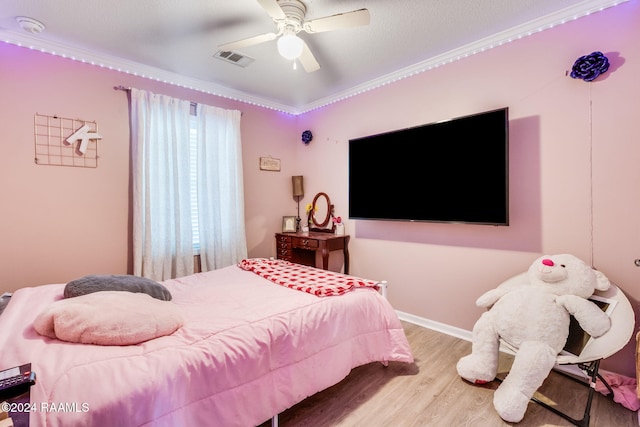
{"x":234,"y":58}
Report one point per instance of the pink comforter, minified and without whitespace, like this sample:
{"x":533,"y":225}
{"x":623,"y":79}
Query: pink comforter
{"x":248,"y":350}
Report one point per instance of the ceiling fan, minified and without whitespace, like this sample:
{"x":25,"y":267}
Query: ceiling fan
{"x":288,"y":16}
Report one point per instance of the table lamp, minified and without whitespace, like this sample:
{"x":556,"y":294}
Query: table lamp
{"x":298,"y":193}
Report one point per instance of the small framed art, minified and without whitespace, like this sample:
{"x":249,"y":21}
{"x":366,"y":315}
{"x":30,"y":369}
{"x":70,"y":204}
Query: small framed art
{"x":269,"y":164}
{"x":288,"y":224}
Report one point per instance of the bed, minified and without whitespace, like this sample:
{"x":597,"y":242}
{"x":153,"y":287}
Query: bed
{"x":249,"y":348}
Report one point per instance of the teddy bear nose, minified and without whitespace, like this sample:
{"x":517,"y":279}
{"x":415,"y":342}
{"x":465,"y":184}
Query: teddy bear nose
{"x":548,"y":262}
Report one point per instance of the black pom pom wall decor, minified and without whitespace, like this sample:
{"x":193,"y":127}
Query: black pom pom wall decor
{"x":589,"y":67}
{"x":307,"y":136}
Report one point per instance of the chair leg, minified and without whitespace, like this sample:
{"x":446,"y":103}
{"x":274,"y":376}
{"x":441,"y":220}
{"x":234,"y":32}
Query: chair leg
{"x":608,"y":387}
{"x":591,"y":369}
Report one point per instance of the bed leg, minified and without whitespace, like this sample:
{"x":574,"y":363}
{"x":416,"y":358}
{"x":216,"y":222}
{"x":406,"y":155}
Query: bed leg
{"x":274,"y":421}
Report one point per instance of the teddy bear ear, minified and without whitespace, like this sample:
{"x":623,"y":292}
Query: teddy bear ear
{"x":602,"y":283}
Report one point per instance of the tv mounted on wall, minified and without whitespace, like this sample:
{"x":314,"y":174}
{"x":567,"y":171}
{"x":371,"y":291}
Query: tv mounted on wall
{"x":450,"y":171}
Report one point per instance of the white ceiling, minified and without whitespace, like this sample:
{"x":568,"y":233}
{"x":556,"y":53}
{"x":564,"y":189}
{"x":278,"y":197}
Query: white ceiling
{"x":175,"y":40}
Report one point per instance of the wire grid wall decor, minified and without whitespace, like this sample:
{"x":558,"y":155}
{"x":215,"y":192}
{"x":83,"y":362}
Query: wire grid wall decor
{"x":53,"y":148}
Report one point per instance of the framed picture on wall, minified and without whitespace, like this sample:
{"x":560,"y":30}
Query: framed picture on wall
{"x":269,"y":164}
{"x":288,"y":224}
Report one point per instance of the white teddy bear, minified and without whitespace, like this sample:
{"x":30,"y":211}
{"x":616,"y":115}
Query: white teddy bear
{"x":533,"y":317}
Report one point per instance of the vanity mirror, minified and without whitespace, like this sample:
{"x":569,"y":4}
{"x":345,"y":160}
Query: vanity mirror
{"x":320,"y":214}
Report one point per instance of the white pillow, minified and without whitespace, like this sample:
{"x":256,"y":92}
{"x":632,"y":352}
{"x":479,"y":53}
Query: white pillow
{"x":109,"y":318}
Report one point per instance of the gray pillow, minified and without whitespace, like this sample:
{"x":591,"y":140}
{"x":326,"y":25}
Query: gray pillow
{"x":112,"y":282}
{"x":4,"y":301}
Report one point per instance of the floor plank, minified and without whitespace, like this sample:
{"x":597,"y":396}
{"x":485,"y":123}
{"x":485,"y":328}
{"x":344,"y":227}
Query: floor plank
{"x":430,"y":393}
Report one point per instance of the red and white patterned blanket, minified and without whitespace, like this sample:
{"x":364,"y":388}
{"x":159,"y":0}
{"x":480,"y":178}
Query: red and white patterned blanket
{"x":317,"y":282}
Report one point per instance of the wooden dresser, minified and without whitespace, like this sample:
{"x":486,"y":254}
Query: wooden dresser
{"x":301,"y":248}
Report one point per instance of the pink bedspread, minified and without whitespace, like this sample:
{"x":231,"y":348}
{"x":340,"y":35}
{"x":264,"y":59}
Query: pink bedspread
{"x":248,"y":350}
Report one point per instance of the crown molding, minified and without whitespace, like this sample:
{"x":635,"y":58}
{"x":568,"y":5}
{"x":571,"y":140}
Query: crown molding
{"x":133,"y":68}
{"x":136,"y":69}
{"x":532,"y":27}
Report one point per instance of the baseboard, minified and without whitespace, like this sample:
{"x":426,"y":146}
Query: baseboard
{"x":436,"y":326}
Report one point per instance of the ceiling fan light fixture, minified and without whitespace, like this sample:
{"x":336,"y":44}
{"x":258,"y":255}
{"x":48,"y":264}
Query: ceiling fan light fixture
{"x":290,"y":46}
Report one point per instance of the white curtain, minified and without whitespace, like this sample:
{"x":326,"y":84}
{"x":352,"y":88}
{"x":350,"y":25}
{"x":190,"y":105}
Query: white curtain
{"x":162,"y":209}
{"x":220,"y":188}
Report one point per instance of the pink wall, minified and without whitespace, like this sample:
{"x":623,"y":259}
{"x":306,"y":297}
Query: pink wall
{"x":574,"y":174}
{"x":561,"y":200}
{"x":58,"y":223}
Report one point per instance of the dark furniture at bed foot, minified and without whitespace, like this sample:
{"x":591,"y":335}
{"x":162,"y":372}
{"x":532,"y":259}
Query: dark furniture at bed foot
{"x":19,"y":408}
{"x":301,"y":248}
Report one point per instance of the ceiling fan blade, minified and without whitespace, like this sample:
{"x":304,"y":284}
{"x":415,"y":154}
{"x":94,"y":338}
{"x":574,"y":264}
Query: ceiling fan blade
{"x":228,"y":47}
{"x":356,"y":18}
{"x":308,"y":61}
{"x":273,"y":8}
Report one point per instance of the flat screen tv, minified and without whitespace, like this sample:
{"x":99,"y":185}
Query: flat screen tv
{"x":451,"y":171}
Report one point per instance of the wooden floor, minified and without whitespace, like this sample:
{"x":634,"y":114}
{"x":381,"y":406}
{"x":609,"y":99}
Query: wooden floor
{"x":430,"y":393}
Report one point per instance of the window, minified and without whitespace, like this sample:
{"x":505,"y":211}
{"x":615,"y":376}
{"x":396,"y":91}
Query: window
{"x":187,"y":186}
{"x":193,"y":179}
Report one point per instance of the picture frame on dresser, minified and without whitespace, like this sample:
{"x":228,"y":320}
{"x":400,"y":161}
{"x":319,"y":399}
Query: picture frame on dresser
{"x":288,"y":224}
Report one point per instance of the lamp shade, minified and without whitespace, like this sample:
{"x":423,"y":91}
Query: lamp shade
{"x":298,"y":189}
{"x":290,"y":46}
